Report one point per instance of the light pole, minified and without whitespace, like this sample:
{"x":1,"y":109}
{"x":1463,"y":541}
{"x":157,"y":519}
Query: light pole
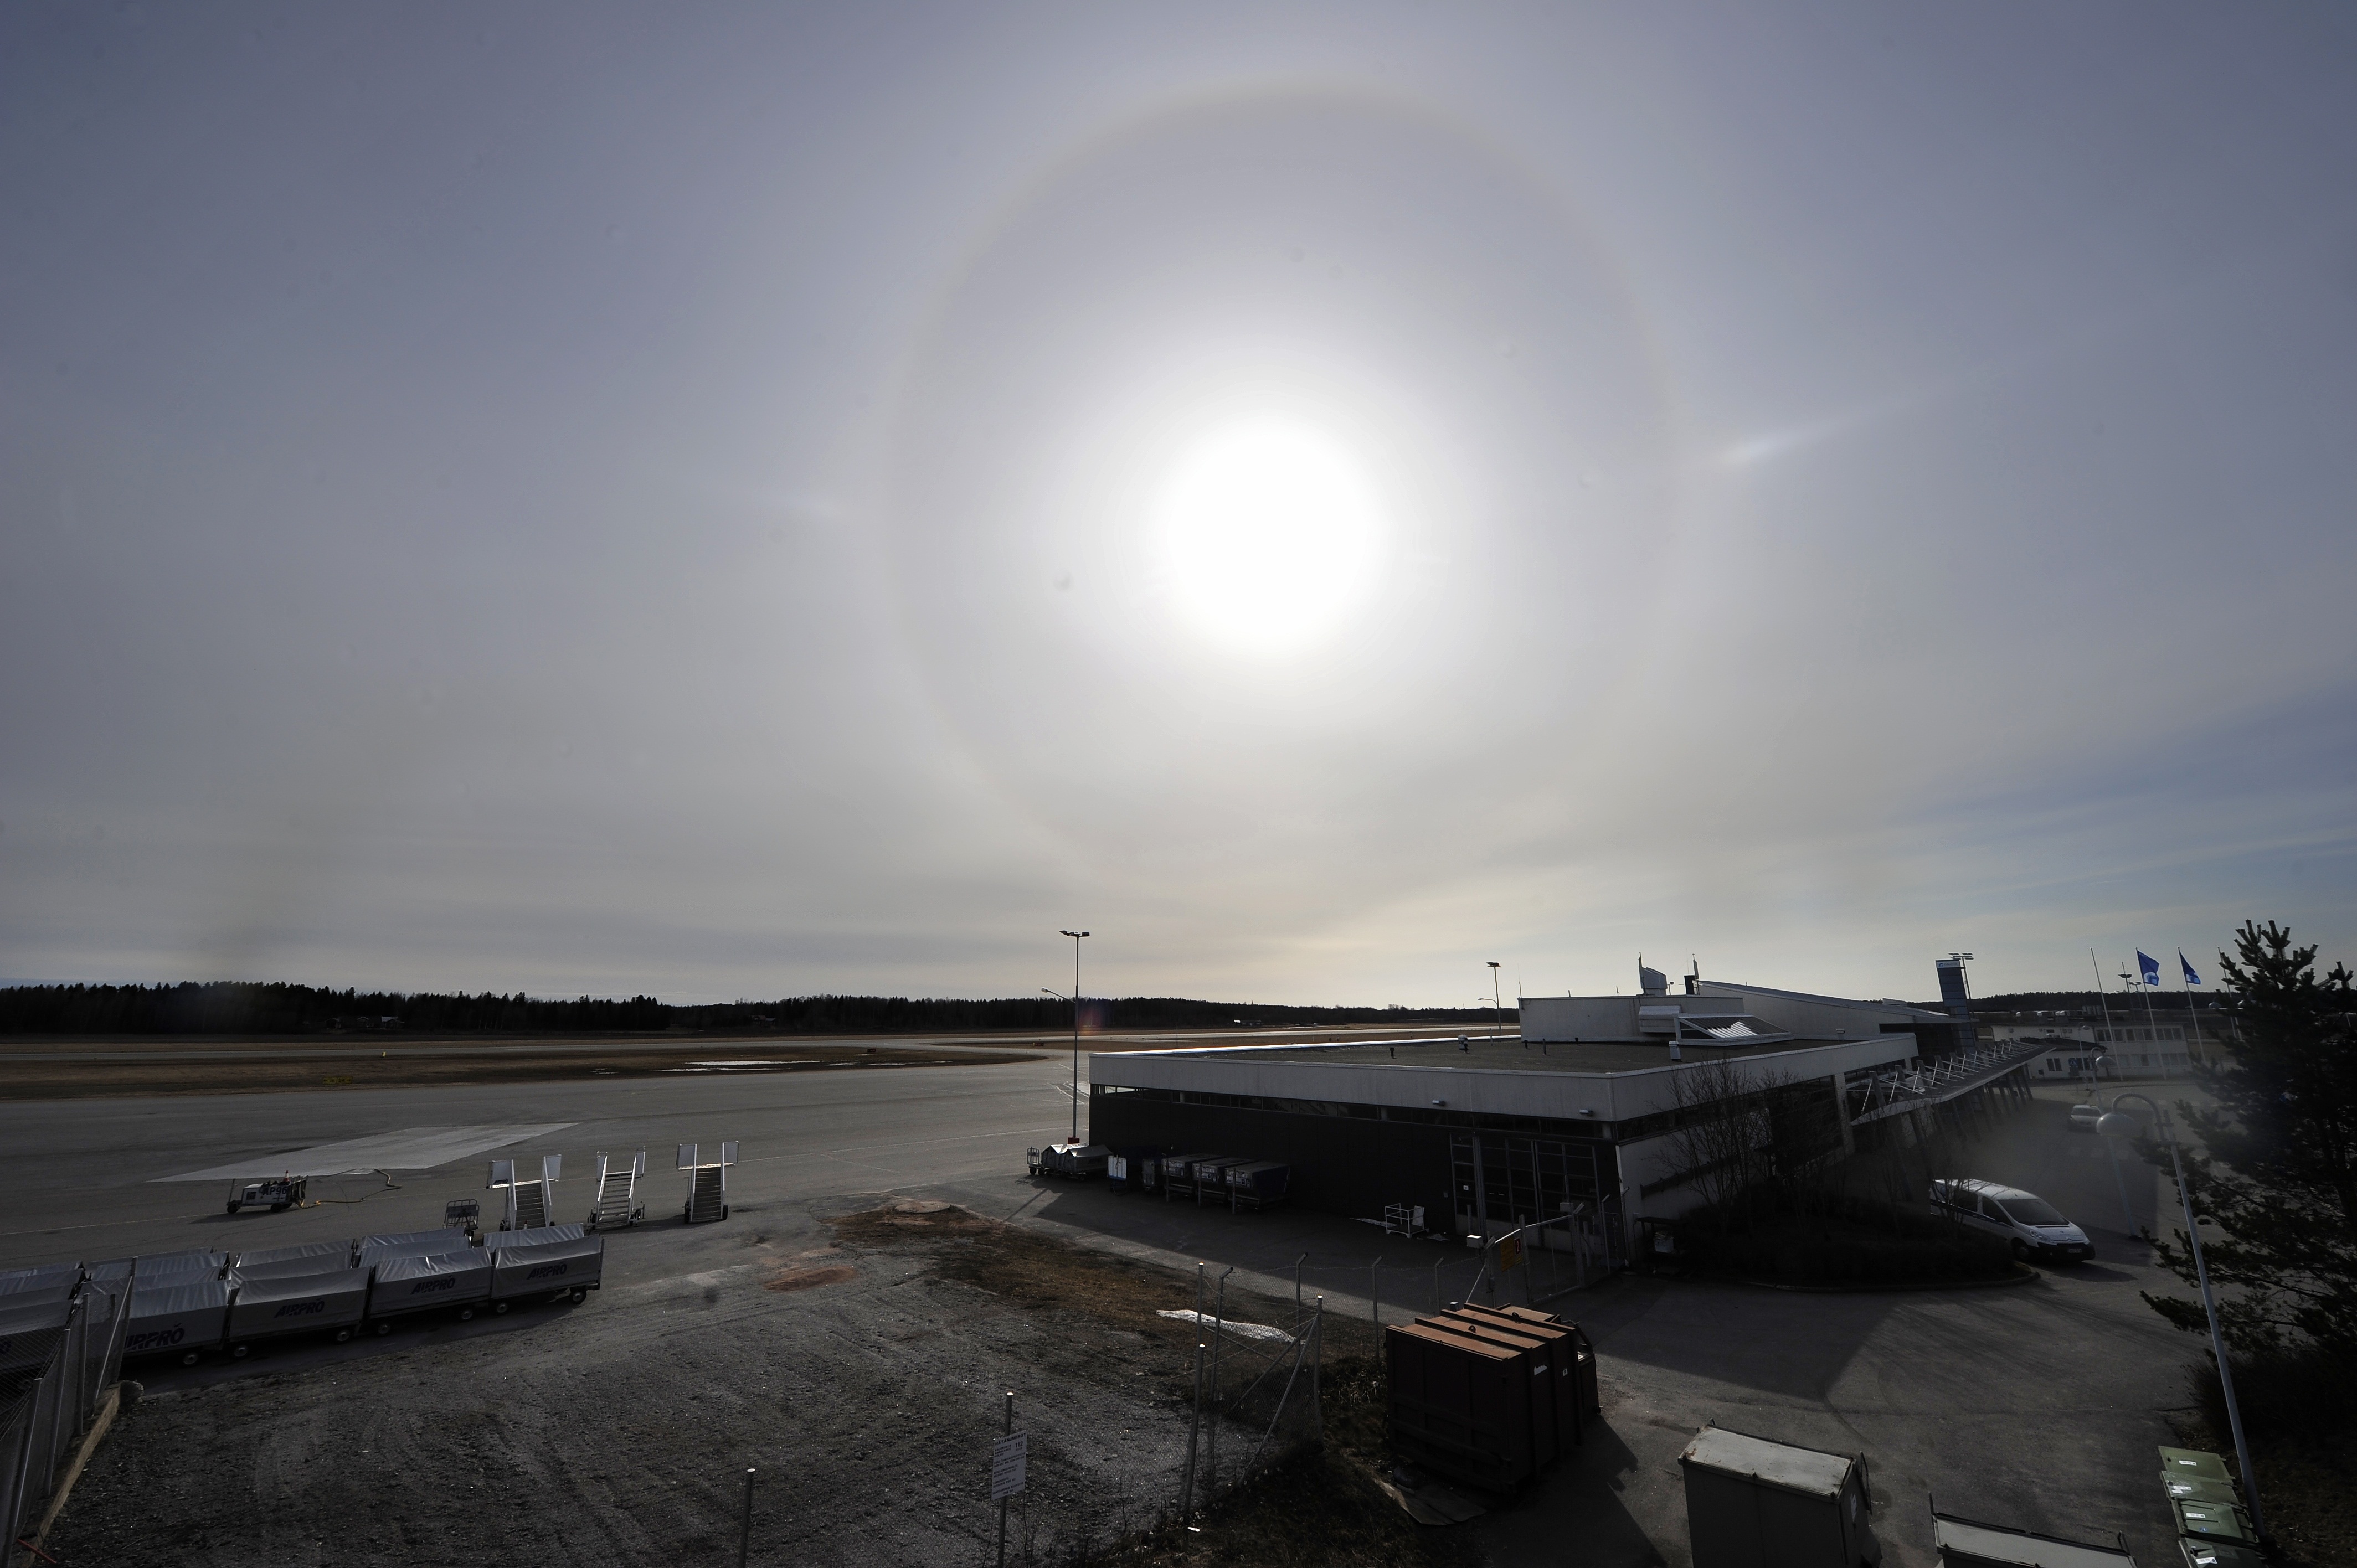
{"x":2116,"y":1122}
{"x":1497,"y":998}
{"x":2094,"y":1096}
{"x":1076,"y":937}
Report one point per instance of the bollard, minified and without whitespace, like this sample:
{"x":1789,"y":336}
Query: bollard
{"x":1002,"y":1502}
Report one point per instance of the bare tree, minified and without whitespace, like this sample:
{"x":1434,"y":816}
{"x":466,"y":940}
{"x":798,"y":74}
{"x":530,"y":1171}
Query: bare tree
{"x":1723,"y":1144}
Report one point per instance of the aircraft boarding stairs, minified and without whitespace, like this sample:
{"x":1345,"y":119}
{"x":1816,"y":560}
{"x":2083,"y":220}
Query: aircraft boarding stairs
{"x":707,"y":1182}
{"x":617,"y":1191}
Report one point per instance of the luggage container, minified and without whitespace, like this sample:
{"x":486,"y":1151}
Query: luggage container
{"x":1208,"y":1175}
{"x":47,"y":1277}
{"x":1962,"y":1544}
{"x":303,"y":1258}
{"x":1460,"y":1405}
{"x":1132,"y":1169}
{"x":331,"y":1302}
{"x":1256,"y":1184}
{"x":198,"y":1265}
{"x":570,"y":1266}
{"x":499,"y":1241}
{"x":1170,"y":1172}
{"x":182,"y":1316}
{"x":1074,"y":1161}
{"x":459,"y":1281}
{"x":2199,"y":1489}
{"x":375,"y":1250}
{"x":1752,"y":1502}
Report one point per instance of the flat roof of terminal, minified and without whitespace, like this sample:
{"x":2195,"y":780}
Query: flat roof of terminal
{"x":1501,"y":1053}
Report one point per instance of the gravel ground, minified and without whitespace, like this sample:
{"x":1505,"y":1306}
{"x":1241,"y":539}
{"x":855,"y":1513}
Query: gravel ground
{"x":864,"y":1384}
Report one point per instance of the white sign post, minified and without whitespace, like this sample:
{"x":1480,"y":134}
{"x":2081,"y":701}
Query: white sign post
{"x":1007,"y":1456}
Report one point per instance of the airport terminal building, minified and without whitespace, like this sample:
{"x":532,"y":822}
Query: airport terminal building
{"x":1574,"y":1115}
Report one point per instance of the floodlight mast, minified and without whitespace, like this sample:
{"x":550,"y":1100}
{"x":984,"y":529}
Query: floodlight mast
{"x":1497,"y":998}
{"x":1076,"y":937}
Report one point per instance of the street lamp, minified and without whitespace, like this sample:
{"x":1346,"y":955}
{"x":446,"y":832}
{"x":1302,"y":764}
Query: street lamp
{"x":2116,"y":1122}
{"x":1076,"y":937}
{"x":1497,"y":998}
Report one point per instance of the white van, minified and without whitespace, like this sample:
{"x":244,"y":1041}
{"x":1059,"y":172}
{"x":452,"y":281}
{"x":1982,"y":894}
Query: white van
{"x":2030,"y":1224}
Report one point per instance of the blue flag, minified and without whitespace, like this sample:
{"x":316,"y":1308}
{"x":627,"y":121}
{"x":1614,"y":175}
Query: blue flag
{"x":2191,"y":978}
{"x":2150,"y":965}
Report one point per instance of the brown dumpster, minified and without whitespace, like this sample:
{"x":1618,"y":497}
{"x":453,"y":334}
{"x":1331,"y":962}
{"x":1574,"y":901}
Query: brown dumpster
{"x":1460,"y":1405}
{"x":1564,"y":1345}
{"x":1549,"y":1431}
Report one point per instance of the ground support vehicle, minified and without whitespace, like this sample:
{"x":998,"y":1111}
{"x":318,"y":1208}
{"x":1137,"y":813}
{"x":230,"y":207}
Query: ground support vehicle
{"x":279,"y":1193}
{"x":617,"y":1203}
{"x":707,"y":1181}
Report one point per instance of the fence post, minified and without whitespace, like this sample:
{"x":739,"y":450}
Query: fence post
{"x":1375,"y":1292}
{"x":745,"y":1535}
{"x":1194,"y":1424}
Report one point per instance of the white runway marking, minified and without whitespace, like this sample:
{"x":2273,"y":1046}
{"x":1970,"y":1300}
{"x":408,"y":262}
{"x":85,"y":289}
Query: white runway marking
{"x":411,"y":1149}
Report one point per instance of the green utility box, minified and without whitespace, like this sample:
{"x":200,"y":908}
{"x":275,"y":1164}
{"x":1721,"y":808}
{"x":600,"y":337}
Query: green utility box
{"x":2214,"y":1522}
{"x":2193,"y":1463}
{"x":2200,"y":1553}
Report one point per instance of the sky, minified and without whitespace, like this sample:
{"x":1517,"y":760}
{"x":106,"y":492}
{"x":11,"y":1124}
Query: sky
{"x":739,"y":502}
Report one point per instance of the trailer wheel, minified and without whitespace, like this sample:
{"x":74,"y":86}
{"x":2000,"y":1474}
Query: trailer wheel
{"x":233,"y":1206}
{"x":188,"y":1359}
{"x":384,"y":1327}
{"x":343,"y":1336}
{"x":500,"y":1306}
{"x":466,"y":1314}
{"x":580,"y":1294}
{"x":237,"y":1352}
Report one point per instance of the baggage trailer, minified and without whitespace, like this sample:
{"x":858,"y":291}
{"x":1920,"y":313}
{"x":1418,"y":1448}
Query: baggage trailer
{"x":330,"y":1302}
{"x":1460,"y":1405}
{"x":1170,"y":1172}
{"x":182,"y":1316}
{"x":1752,"y":1501}
{"x":375,"y":1250}
{"x":458,"y":1281}
{"x":30,"y":1323}
{"x":525,"y":1269}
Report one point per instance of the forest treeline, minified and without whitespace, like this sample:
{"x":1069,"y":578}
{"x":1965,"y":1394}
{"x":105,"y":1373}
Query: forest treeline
{"x":234,"y":1007}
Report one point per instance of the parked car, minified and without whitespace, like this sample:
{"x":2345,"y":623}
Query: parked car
{"x":2083,"y":1117}
{"x":2028,"y":1224}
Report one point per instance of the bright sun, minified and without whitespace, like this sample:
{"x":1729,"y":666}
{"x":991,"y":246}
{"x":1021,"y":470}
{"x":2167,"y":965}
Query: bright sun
{"x":1267,"y":530}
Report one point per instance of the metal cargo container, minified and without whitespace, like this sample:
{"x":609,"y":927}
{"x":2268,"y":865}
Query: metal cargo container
{"x":410,"y":1244}
{"x":303,"y":1258}
{"x":1538,"y":1366}
{"x":2199,"y":1489}
{"x":179,"y":1317}
{"x":550,"y":1268}
{"x":331,"y":1300}
{"x":1573,"y":1365}
{"x":1074,"y":1160}
{"x":1962,"y":1544}
{"x":1460,"y":1405}
{"x":1209,"y":1175}
{"x":1590,"y":1402}
{"x":1755,"y":1503}
{"x":423,"y":1283}
{"x":1132,"y":1169}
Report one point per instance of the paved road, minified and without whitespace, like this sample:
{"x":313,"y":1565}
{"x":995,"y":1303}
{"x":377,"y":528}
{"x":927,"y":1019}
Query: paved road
{"x":2036,"y":1405}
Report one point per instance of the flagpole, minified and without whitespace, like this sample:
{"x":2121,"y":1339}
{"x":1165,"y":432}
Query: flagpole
{"x":2106,"y":1001}
{"x":2192,"y":1019}
{"x":2149,"y":1021}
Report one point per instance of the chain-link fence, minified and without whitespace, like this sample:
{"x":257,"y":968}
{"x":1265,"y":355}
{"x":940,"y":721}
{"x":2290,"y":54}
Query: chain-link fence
{"x":52,"y":1376}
